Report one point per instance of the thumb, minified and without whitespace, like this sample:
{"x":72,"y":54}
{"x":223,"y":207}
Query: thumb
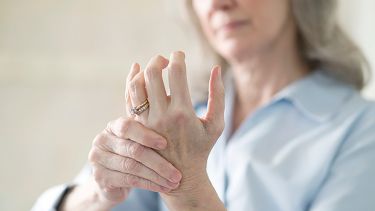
{"x":214,"y":118}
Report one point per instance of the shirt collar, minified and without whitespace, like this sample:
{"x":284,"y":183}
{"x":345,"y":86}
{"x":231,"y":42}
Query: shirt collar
{"x":317,"y":95}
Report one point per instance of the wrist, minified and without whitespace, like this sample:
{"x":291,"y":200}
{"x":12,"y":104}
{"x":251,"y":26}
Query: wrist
{"x":85,"y":196}
{"x":197,"y":194}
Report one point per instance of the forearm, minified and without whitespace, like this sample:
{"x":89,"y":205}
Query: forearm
{"x":201,"y":196}
{"x":85,"y":197}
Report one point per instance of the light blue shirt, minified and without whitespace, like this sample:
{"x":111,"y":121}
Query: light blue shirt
{"x":311,"y":148}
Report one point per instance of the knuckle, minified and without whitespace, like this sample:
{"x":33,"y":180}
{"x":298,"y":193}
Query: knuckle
{"x":129,"y":165}
{"x":125,"y":125}
{"x":157,"y":58}
{"x":151,"y":72}
{"x":135,"y":84}
{"x":135,"y":150}
{"x":179,"y":116}
{"x":99,"y":139}
{"x":121,"y":147}
{"x":93,"y":155}
{"x":177,"y":67}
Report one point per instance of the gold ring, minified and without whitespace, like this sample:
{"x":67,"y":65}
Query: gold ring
{"x":140,"y":108}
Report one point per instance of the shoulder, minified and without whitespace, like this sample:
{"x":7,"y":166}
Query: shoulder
{"x":351,"y":172}
{"x":359,"y":139}
{"x":339,"y":100}
{"x":361,"y":109}
{"x":365,"y":113}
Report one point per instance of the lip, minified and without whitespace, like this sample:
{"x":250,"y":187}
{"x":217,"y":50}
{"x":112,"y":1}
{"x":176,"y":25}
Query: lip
{"x":232,"y":25}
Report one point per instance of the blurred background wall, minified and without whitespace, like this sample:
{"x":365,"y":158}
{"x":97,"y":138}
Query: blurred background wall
{"x":62,"y":75}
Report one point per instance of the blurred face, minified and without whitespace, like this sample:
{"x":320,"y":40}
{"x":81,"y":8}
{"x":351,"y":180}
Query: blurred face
{"x":238,"y":28}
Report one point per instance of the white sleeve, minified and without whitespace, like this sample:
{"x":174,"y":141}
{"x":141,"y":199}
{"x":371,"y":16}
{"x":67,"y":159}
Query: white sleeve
{"x":140,"y":200}
{"x":50,"y":199}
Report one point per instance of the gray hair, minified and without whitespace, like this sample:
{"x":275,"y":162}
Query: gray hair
{"x":323,"y":43}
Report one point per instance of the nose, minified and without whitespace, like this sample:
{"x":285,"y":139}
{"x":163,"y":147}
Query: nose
{"x":222,"y":4}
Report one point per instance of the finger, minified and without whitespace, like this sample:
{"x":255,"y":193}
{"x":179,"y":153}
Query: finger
{"x":154,"y":83}
{"x":130,"y":166}
{"x":177,"y":78}
{"x":135,"y":68}
{"x":127,"y":128}
{"x":108,"y":179}
{"x":215,"y":109}
{"x":144,"y":155}
{"x":137,"y":94}
{"x":128,"y":104}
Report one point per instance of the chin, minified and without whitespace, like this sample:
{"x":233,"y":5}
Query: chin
{"x":236,"y":51}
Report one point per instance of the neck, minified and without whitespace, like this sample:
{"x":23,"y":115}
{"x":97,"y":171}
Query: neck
{"x":256,"y":82}
{"x":258,"y":78}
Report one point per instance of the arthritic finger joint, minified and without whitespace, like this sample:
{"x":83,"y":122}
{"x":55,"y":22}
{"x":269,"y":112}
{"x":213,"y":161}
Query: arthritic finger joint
{"x":125,"y":125}
{"x":99,"y":139}
{"x":135,"y":150}
{"x":130,"y":165}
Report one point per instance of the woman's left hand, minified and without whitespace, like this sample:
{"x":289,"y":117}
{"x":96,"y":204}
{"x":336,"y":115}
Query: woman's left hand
{"x":190,"y":138}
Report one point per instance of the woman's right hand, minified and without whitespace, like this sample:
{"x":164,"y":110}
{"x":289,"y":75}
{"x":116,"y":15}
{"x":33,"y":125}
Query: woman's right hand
{"x":122,"y":157}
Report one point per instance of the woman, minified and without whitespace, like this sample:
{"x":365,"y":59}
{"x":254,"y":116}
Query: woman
{"x":297,"y":134}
